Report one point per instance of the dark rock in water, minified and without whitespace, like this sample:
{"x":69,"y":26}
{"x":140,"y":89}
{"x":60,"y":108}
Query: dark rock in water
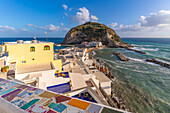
{"x":93,"y":31}
{"x":121,"y":57}
{"x":158,"y":62}
{"x":135,"y":50}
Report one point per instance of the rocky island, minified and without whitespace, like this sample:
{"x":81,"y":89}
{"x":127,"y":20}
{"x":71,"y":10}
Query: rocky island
{"x":94,"y":31}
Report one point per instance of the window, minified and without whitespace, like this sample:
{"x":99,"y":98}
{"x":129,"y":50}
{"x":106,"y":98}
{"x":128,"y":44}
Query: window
{"x":23,"y":62}
{"x":46,"y":47}
{"x":32,"y":49}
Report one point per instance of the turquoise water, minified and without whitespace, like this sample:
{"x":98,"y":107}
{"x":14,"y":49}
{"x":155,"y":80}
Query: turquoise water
{"x":144,"y":87}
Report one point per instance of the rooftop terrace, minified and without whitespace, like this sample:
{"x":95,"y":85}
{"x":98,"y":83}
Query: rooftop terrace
{"x":22,"y":98}
{"x":34,"y":68}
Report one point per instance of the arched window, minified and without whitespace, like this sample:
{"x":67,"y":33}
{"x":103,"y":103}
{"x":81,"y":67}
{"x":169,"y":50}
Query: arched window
{"x":46,"y":47}
{"x":32,"y":49}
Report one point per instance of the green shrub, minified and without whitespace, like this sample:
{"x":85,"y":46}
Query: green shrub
{"x":6,"y":67}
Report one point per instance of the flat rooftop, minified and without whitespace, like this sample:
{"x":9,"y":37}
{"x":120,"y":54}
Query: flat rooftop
{"x":78,"y":70}
{"x":34,"y":68}
{"x":101,"y":77}
{"x":28,"y":42}
{"x":77,"y":81}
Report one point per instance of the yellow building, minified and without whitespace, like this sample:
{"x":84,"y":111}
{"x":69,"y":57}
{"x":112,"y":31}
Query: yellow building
{"x":31,"y":52}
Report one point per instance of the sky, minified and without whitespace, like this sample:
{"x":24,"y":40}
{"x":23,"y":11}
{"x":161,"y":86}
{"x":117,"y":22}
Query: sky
{"x":54,"y":18}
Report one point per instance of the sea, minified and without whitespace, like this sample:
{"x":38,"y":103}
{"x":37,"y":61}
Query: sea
{"x":144,"y":87}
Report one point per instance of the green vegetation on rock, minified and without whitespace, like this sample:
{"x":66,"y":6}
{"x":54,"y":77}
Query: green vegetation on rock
{"x":93,"y":31}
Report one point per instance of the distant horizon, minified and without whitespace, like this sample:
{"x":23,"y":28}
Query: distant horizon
{"x":64,"y":37}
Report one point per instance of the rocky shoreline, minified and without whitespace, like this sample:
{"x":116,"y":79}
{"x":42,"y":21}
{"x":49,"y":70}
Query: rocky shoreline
{"x":158,"y":62}
{"x":120,"y":56}
{"x":135,"y":50}
{"x":114,"y":95}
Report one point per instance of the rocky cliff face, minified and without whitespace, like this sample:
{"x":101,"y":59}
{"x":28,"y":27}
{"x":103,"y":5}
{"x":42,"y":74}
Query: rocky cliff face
{"x":93,"y":31}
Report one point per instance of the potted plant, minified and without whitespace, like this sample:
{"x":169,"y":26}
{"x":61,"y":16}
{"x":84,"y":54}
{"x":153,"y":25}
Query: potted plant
{"x":4,"y":69}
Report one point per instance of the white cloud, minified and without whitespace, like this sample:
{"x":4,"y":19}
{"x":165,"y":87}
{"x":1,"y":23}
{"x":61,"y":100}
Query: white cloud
{"x":49,"y":27}
{"x":4,"y":28}
{"x":65,"y":6}
{"x":23,"y":29}
{"x":156,"y":24}
{"x":128,"y":28}
{"x":83,"y":16}
{"x":93,"y":17}
{"x":61,"y":24}
{"x":31,"y":25}
{"x":66,"y":29}
{"x":52,"y":27}
{"x":113,"y":25}
{"x":155,"y":19}
{"x":66,"y":14}
{"x":121,"y":26}
{"x":70,"y":9}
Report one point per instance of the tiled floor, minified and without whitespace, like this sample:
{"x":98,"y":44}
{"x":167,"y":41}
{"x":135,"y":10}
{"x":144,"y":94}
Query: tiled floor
{"x":37,"y":100}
